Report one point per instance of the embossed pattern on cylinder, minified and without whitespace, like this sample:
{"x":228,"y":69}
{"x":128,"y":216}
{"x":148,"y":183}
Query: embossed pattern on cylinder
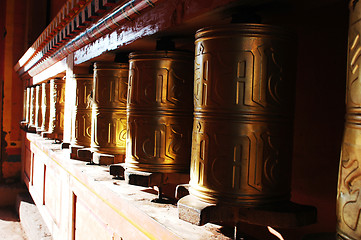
{"x":38,"y":110}
{"x":243,"y":96}
{"x":159,"y":111}
{"x":45,"y":108}
{"x":57,"y":101}
{"x":109,"y":107}
{"x":82,"y":111}
{"x":348,"y":207}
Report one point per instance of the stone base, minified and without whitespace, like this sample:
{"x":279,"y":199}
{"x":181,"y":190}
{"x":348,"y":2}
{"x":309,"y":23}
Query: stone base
{"x":282,"y":215}
{"x":144,"y":179}
{"x":150,"y":179}
{"x":117,"y":170}
{"x":181,"y":191}
{"x":23,"y":125}
{"x":31,"y":129}
{"x":39,"y":130}
{"x":55,"y":136}
{"x":165,"y":182}
{"x":74,"y":152}
{"x":107,"y":159}
{"x":65,"y":145}
{"x":84,"y":154}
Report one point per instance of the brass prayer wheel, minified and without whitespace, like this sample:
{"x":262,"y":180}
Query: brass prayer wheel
{"x":27,"y":107}
{"x":38,"y":110}
{"x":243,"y":98}
{"x":32,"y":106}
{"x":24,"y":105}
{"x":56,"y":115}
{"x":26,"y":99}
{"x":348,"y":205}
{"x":82,"y":111}
{"x":109,"y":108}
{"x":45,"y":108}
{"x":160,"y":112}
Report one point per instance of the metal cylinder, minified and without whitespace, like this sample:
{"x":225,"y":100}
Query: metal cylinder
{"x":27,"y":108}
{"x":348,"y":207}
{"x":109,"y":108}
{"x":45,"y":108}
{"x":32,"y":106}
{"x":56,"y":115}
{"x":24,"y":105}
{"x":82,"y":111}
{"x":243,"y":117}
{"x":38,"y":107}
{"x":159,"y":111}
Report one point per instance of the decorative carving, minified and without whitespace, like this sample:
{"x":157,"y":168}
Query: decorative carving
{"x":349,"y":199}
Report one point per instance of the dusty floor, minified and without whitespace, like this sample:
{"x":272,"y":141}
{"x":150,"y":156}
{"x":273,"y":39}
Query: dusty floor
{"x":10,"y":227}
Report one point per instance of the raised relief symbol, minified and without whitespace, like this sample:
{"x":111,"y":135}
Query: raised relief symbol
{"x":154,"y":148}
{"x":201,"y":84}
{"x":352,"y":208}
{"x":203,"y":148}
{"x":199,"y":153}
{"x":161,"y":90}
{"x":355,"y":85}
{"x":245,"y":80}
{"x":176,"y":86}
{"x":255,"y":162}
{"x":275,"y":77}
{"x":176,"y":141}
{"x":237,"y":166}
{"x":131,"y":89}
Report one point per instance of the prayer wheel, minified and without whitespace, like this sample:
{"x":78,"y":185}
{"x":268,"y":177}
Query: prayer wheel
{"x":109,"y":108}
{"x":27,"y":107}
{"x":56,"y":115}
{"x":38,"y":110}
{"x":25,"y":98}
{"x":82,"y":111}
{"x":25,"y":119}
{"x":348,"y":207}
{"x":243,"y":117}
{"x":45,"y":108}
{"x":160,"y":112}
{"x":32,"y":104}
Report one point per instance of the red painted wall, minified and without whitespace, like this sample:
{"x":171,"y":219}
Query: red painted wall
{"x":2,"y":47}
{"x":13,"y":19}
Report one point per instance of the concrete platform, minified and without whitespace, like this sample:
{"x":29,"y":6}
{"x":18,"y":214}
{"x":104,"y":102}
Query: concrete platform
{"x":31,"y":221}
